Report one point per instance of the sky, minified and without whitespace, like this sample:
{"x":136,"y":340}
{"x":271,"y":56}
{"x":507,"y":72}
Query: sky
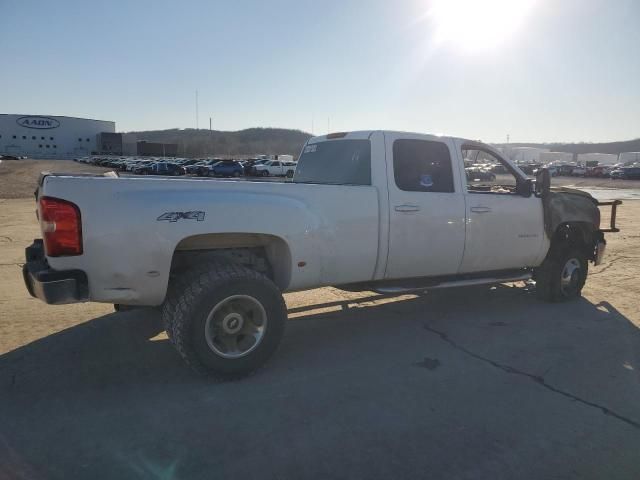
{"x":535,"y":70}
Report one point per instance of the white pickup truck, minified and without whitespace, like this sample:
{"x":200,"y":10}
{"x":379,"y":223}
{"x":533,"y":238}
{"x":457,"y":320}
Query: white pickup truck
{"x":276,"y":168}
{"x":374,"y":210}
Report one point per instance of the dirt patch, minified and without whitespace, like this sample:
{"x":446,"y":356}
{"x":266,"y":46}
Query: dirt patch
{"x":18,"y":178}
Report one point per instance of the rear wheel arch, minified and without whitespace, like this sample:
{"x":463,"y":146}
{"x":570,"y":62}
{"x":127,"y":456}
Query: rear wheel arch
{"x":264,"y":253}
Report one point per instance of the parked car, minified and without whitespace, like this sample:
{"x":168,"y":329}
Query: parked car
{"x":218,"y":257}
{"x":165,"y":168}
{"x":248,"y":165}
{"x":275,"y":168}
{"x":578,"y":172}
{"x":626,"y":173}
{"x":192,"y":169}
{"x":191,"y":161}
{"x":476,"y":174}
{"x":201,"y":169}
{"x":143,"y":169}
{"x":254,"y":164}
{"x":227,"y":168}
{"x":617,"y":173}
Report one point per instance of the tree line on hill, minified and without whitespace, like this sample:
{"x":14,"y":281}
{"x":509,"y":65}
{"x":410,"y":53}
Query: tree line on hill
{"x":201,"y":142}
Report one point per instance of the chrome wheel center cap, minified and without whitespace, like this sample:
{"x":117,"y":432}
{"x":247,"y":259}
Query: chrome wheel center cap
{"x":232,"y":323}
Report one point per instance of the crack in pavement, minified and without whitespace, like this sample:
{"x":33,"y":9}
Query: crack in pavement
{"x":539,"y":380}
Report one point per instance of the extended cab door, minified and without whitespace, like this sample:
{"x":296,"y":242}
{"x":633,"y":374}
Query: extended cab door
{"x":426,"y":206}
{"x":505,"y":229}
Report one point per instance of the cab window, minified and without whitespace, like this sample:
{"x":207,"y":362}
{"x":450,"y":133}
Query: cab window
{"x":486,"y":173}
{"x":422,"y":166}
{"x":335,"y":162}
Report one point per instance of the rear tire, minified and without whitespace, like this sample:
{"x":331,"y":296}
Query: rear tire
{"x":562,"y":275}
{"x":225,"y":320}
{"x":265,"y":173}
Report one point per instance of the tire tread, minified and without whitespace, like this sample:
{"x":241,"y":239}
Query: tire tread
{"x":183,"y":293}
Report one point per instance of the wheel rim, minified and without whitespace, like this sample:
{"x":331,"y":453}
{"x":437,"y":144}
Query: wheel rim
{"x":235,"y":326}
{"x":570,"y":277}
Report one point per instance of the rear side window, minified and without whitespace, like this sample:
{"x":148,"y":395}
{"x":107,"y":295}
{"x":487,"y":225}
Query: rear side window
{"x":422,"y":166}
{"x":337,"y":162}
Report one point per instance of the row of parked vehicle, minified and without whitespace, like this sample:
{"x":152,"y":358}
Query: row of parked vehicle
{"x":488,"y":171}
{"x":202,"y":167}
{"x":618,"y":171}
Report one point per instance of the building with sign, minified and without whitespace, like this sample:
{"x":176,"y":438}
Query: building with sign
{"x":51,"y":136}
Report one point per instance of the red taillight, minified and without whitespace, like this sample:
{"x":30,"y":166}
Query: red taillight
{"x":61,"y":227}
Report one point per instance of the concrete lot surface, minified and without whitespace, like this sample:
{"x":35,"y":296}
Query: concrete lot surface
{"x":483,"y":383}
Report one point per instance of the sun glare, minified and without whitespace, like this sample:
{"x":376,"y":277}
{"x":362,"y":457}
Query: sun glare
{"x":475,"y":25}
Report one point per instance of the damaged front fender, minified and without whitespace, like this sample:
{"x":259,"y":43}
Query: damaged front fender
{"x":567,"y":205}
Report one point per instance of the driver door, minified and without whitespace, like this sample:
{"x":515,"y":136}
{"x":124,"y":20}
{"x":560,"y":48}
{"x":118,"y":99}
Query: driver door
{"x":504,"y":230}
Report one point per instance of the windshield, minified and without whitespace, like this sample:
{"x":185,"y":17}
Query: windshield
{"x":338,"y":162}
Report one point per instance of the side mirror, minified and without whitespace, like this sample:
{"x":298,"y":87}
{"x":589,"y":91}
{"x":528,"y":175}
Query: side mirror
{"x":543,"y":182}
{"x":525,"y":188}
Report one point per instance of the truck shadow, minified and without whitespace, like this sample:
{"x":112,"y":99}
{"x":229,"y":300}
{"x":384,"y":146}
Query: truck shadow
{"x":117,"y":375}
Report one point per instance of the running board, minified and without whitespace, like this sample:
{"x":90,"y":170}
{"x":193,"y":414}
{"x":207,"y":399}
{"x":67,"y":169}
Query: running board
{"x":454,"y":283}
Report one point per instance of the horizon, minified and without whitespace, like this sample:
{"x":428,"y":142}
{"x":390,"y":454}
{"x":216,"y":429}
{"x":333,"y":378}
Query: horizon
{"x":534,"y":70}
{"x":383,"y":129}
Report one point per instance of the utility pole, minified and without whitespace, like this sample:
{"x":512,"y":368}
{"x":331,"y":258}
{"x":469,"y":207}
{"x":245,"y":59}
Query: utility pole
{"x":209,"y":124}
{"x":197,"y":126}
{"x":507,"y":138}
{"x":328,"y":125}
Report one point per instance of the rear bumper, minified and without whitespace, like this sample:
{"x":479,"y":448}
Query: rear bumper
{"x":55,"y":287}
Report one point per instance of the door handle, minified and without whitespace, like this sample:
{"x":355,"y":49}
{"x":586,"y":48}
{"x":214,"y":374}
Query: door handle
{"x":407,"y":208}
{"x":480,"y":209}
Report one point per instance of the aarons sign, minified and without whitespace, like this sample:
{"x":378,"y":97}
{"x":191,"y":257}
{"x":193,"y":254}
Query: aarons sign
{"x":40,"y":123}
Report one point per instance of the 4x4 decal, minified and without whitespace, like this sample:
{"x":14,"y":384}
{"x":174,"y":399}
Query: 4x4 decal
{"x":175,"y":216}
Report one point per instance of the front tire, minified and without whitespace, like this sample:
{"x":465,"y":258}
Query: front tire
{"x":562,"y":275}
{"x":225,"y":320}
